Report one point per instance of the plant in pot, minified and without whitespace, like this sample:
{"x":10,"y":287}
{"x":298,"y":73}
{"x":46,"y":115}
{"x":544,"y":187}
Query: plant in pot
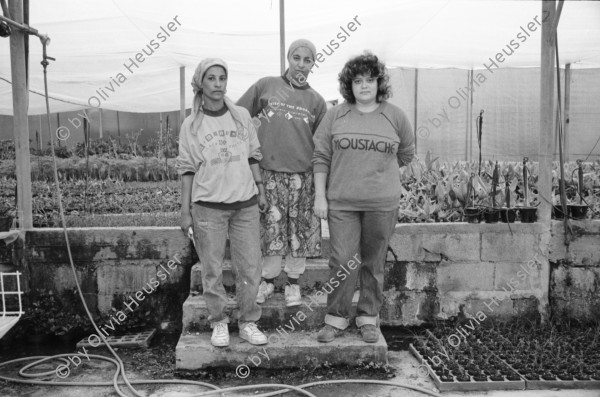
{"x":575,"y":204}
{"x":471,"y":212}
{"x":508,"y":214}
{"x":527,"y":212}
{"x":492,"y":213}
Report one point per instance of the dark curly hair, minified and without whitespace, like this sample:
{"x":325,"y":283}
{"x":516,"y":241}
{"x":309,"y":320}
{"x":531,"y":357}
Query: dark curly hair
{"x":366,"y":64}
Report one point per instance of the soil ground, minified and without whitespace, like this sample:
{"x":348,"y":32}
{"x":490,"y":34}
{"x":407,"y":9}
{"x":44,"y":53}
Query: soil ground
{"x":158,"y":362}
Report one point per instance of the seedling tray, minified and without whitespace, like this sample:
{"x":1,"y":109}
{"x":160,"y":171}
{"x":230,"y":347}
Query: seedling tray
{"x":472,"y":385}
{"x":524,"y":383}
{"x":139,"y":339}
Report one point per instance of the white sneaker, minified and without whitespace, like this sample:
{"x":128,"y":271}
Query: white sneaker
{"x":292,"y":295}
{"x":220,"y":335}
{"x":265,"y":291}
{"x":251,"y":334}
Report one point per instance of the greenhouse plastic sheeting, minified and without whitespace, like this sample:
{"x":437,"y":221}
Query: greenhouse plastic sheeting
{"x":95,"y":43}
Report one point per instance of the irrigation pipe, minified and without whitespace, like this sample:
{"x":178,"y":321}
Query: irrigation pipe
{"x":117,"y":362}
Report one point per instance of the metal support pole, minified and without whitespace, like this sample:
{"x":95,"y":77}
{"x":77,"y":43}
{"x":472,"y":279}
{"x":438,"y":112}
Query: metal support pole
{"x":20,"y":119}
{"x":282,"y":35}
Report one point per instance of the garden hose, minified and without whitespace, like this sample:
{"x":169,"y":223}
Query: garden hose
{"x":119,"y":365}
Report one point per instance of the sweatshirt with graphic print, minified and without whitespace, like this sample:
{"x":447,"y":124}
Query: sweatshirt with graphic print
{"x":287,"y":116}
{"x":362,"y":154}
{"x":218,"y":151}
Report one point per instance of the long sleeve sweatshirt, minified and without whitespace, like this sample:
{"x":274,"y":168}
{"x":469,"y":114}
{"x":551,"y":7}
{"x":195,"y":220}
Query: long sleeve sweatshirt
{"x":362,"y":154}
{"x":218,"y":147}
{"x":287,"y":116}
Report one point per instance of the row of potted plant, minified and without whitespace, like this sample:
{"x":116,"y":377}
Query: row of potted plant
{"x":435,"y":191}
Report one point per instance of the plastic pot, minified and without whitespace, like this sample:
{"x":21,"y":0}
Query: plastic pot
{"x":557,"y":212}
{"x":491,"y":215}
{"x":508,"y":215}
{"x":578,"y":211}
{"x":473,"y":214}
{"x":528,"y":214}
{"x":5,"y":223}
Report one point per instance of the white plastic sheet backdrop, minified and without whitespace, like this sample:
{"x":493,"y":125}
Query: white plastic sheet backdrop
{"x":511,"y":118}
{"x":92,"y":39}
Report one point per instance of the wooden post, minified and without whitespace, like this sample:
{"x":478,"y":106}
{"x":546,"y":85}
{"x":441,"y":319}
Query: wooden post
{"x":469,"y":143}
{"x":118,"y":128}
{"x":58,"y":126}
{"x":567,"y":112}
{"x":416,"y":116}
{"x":545,"y":154}
{"x":20,"y":119}
{"x":181,"y":95}
{"x":41,"y":133}
{"x":282,"y":36}
{"x":100,"y":124}
{"x":547,"y":77}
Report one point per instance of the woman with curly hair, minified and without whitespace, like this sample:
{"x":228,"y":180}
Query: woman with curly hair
{"x":359,"y":148}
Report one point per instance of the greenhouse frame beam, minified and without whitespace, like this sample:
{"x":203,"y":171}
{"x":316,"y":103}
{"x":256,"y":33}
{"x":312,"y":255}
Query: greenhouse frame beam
{"x":547,"y":116}
{"x":567,"y":111}
{"x":181,"y":95}
{"x":20,"y":119}
{"x":282,"y":36}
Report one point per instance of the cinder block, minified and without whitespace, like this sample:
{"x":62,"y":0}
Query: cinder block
{"x":507,"y":247}
{"x":413,"y":276}
{"x":453,"y":276}
{"x":584,"y":307}
{"x":431,"y":246}
{"x":585,"y":242}
{"x":99,"y":244}
{"x":570,"y":281}
{"x":493,"y":307}
{"x":122,"y":278}
{"x":173,"y":273}
{"x":467,"y":304}
{"x":407,"y":308}
{"x":518,"y":276}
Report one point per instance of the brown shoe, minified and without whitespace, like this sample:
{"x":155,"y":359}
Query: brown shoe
{"x":370,"y":333}
{"x":328,"y":333}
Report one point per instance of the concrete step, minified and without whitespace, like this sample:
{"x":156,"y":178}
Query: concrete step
{"x":309,"y":315}
{"x":294,"y":350}
{"x":317,"y":272}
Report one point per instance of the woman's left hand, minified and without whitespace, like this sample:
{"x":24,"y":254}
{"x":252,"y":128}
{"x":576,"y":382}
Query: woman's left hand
{"x":263,"y":204}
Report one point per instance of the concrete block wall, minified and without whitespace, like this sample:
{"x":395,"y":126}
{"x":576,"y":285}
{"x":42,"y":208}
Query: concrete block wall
{"x":442,"y":270}
{"x":446,"y":270}
{"x":112,"y":263}
{"x":575,"y":277}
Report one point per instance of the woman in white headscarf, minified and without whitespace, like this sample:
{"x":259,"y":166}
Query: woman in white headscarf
{"x":221,"y":192}
{"x":288,"y":111}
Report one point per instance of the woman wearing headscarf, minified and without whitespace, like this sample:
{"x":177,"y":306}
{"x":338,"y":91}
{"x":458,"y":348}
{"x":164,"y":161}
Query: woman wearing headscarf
{"x":221,"y":186}
{"x":287,"y":111}
{"x":359,"y":148}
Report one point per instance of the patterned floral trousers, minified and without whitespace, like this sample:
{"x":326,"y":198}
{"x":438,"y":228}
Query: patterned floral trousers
{"x":289,"y":226}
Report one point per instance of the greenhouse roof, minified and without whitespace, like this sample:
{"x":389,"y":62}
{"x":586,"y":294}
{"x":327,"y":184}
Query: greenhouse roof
{"x":127,"y":55}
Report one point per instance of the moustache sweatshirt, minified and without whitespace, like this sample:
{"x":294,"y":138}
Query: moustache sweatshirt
{"x":362,"y":154}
